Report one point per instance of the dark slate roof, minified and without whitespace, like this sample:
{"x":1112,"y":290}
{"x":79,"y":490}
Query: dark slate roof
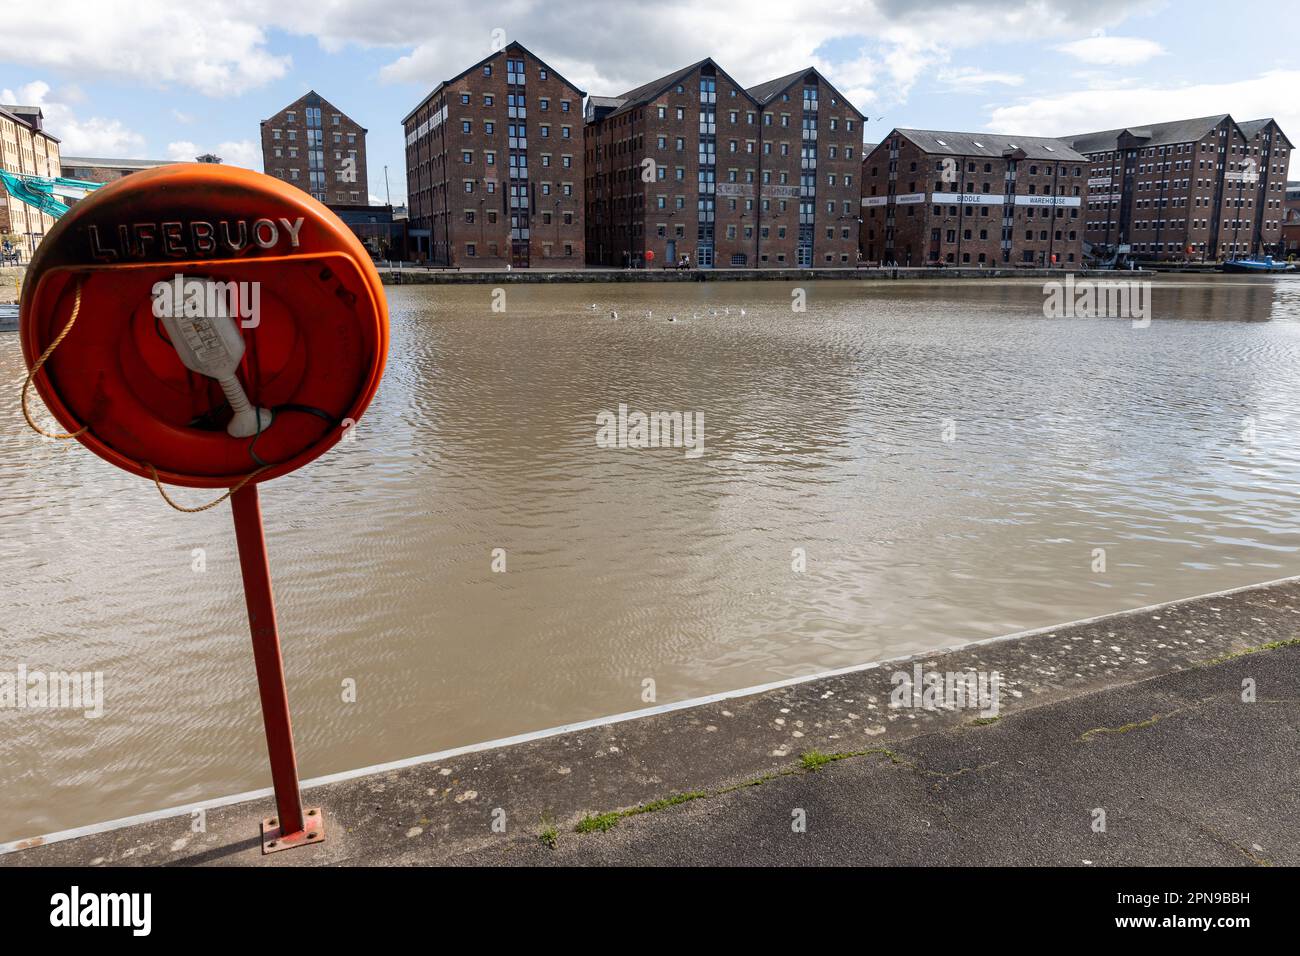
{"x":989,"y":144}
{"x":67,"y":162}
{"x":766,"y":91}
{"x":1251,"y":127}
{"x":512,"y":45}
{"x":29,"y":116}
{"x":1156,"y":134}
{"x":648,"y":91}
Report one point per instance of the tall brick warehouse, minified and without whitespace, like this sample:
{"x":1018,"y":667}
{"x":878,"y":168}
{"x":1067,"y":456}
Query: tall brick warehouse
{"x":494,"y":167}
{"x":971,"y":199}
{"x":25,"y":149}
{"x":694,"y":165}
{"x":1205,"y":189}
{"x":315,"y":146}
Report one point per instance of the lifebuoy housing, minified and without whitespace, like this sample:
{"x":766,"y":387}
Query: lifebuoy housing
{"x":312,"y":355}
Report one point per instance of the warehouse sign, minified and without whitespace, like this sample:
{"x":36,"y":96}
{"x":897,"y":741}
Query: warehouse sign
{"x":969,"y":199}
{"x":906,"y":199}
{"x":427,"y":126}
{"x":1048,"y":201}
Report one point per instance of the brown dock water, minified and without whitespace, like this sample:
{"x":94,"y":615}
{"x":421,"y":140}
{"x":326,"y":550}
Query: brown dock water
{"x":1175,"y":448}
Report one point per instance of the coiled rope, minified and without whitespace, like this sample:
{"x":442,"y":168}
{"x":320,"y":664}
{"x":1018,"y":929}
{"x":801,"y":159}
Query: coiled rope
{"x":36,"y":367}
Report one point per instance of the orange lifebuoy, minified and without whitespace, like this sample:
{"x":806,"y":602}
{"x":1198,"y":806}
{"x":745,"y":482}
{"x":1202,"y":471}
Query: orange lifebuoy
{"x":314,"y":357}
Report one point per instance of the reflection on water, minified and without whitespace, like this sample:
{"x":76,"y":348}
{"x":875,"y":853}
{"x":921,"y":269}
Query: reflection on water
{"x":1172,"y":447}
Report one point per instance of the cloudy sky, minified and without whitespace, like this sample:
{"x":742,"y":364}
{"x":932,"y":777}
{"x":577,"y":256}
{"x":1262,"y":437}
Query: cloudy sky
{"x":168,"y":79}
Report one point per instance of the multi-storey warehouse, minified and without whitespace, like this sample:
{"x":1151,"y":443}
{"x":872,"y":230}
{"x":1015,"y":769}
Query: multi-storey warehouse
{"x":972,"y":199}
{"x":692,"y":167}
{"x":1206,"y":188}
{"x":26,"y":149}
{"x":315,"y":146}
{"x":494,"y":167}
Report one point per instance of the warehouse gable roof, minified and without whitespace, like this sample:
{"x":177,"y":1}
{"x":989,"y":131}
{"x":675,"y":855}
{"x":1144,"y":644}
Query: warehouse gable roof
{"x":1156,"y":134}
{"x":993,"y":145}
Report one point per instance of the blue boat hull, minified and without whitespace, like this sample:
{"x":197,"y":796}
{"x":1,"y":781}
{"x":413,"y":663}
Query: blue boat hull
{"x":1256,"y":265}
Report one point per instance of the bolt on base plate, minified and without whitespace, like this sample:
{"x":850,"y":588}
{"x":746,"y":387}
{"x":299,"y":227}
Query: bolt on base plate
{"x":313,"y":831}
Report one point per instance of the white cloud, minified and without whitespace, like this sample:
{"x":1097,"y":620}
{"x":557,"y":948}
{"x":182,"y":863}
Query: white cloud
{"x":1113,"y":51}
{"x":216,"y":48}
{"x":184,"y":151}
{"x":894,"y":44}
{"x":1078,"y":111}
{"x":97,"y":136}
{"x":225,"y":48}
{"x":857,"y":79}
{"x":970,"y":79}
{"x":243,"y":152}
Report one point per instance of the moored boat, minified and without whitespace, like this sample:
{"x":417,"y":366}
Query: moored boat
{"x":1266,"y":264}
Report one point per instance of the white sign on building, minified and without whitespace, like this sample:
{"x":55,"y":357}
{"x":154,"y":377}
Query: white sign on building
{"x":969,"y":199}
{"x":1048,"y":201}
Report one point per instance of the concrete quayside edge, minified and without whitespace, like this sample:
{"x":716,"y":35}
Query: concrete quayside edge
{"x":506,"y":801}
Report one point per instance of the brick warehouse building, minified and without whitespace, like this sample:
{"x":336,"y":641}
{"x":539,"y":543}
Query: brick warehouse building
{"x":1206,"y":188}
{"x":315,"y":146}
{"x":972,"y":199}
{"x":693,"y":164}
{"x":1291,"y":221}
{"x":25,"y":149}
{"x":100,"y":170}
{"x":494,"y":167}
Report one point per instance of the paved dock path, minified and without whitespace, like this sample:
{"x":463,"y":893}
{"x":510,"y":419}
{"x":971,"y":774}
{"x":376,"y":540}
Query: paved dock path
{"x":1184,"y":771}
{"x":1140,"y":715}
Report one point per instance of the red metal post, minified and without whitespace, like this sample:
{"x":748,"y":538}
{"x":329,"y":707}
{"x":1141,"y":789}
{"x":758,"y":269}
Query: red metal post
{"x":266,"y":654}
